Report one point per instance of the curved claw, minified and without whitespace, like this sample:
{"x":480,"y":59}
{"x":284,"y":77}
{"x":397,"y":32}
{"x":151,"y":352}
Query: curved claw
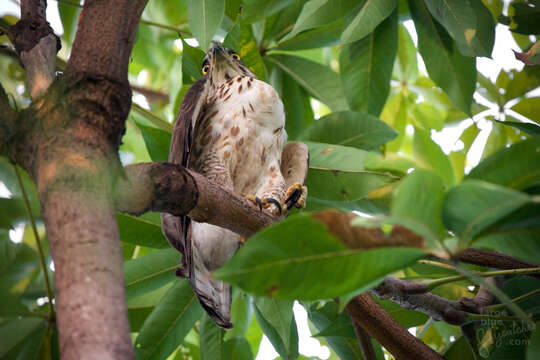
{"x":269,"y":201}
{"x":255,"y":199}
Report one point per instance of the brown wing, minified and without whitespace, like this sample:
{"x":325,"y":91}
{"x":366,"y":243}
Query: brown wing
{"x":176,"y":228}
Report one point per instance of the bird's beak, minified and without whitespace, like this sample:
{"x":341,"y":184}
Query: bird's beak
{"x":217,"y":50}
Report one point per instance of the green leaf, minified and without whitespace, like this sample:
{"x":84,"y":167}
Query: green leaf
{"x":453,"y":72}
{"x":338,"y":185}
{"x":16,"y":332}
{"x":529,"y":108}
{"x":427,"y":116}
{"x":17,"y":262}
{"x":204,"y":19}
{"x":254,"y":10}
{"x":522,"y":82}
{"x":171,"y":320}
{"x":138,"y":231}
{"x":299,"y":259}
{"x":469,"y":23}
{"x":533,"y":350}
{"x":335,"y":157}
{"x":366,"y":67}
{"x":241,"y":40}
{"x":529,"y":128}
{"x":319,"y":80}
{"x":316,"y":13}
{"x":372,"y":13}
{"x":407,"y":318}
{"x":69,"y":15}
{"x":418,"y":202}
{"x":350,"y":128}
{"x":472,"y":206}
{"x":327,"y":35}
{"x":241,"y":314}
{"x":431,"y":156}
{"x":157,"y":142}
{"x":211,"y":340}
{"x":518,"y":234}
{"x":524,"y":16}
{"x":276,"y":319}
{"x":345,"y":348}
{"x":237,"y":348}
{"x":192,"y":59}
{"x":515,"y":167}
{"x":150,"y":272}
{"x":406,"y":67}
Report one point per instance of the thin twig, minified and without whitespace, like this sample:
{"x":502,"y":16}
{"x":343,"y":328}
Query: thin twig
{"x":38,"y":242}
{"x":431,"y":284}
{"x":514,"y":300}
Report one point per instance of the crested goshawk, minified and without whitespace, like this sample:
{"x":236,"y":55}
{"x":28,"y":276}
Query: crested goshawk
{"x":231,"y":129}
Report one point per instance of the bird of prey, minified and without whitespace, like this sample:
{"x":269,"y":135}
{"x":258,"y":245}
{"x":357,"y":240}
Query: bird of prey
{"x":231,"y":129}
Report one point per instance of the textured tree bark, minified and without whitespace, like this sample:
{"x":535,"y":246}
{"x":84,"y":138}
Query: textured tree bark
{"x":383,"y":327}
{"x":68,"y":141}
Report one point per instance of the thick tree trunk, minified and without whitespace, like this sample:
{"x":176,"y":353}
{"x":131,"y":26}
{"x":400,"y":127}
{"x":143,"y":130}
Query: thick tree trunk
{"x":68,"y":141}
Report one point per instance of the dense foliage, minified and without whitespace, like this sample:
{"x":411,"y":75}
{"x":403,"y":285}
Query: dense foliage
{"x":348,"y":74}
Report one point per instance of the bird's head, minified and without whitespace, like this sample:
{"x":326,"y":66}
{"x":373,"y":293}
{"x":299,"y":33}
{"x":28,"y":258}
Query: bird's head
{"x":221,"y":64}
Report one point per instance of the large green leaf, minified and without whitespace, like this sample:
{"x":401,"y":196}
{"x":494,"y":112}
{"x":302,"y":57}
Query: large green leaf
{"x":157,"y":142}
{"x":447,"y":67}
{"x":417,"y":204}
{"x":469,"y":23}
{"x":529,"y":108}
{"x":335,"y":157}
{"x":16,"y":332}
{"x":431,"y":156}
{"x":241,"y":40}
{"x":171,"y":320}
{"x":254,"y":10}
{"x":338,"y":185}
{"x":139,"y":231}
{"x":69,"y":15}
{"x":319,"y":80}
{"x":344,"y":347}
{"x":211,"y":340}
{"x":327,"y":35}
{"x":529,"y":128}
{"x":372,"y":13}
{"x":518,"y":234}
{"x":472,"y":206}
{"x":316,"y":13}
{"x":205,"y":16}
{"x":406,"y":67}
{"x":192,"y":59}
{"x":299,"y":259}
{"x":366,"y":67}
{"x":150,"y":272}
{"x":516,"y":166}
{"x":350,"y":128}
{"x":276,"y":319}
{"x":17,"y":262}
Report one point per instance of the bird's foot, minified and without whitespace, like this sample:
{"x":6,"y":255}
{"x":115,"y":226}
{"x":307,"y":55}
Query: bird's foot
{"x":264,"y":203}
{"x":295,"y":196}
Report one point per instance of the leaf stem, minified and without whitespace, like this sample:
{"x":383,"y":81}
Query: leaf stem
{"x":431,"y":284}
{"x":38,"y":242}
{"x":514,"y":300}
{"x":154,"y":119}
{"x":474,"y":317}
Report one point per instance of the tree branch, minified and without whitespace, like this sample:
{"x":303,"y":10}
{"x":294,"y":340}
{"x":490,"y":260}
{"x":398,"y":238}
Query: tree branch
{"x":171,"y":188}
{"x":104,"y":39}
{"x":383,"y":327}
{"x":7,"y":122}
{"x":36,"y":44}
{"x":364,"y":340}
{"x":494,"y":259}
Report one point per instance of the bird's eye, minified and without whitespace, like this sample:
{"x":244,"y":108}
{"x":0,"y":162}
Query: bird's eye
{"x":205,"y":69}
{"x":235,"y":56}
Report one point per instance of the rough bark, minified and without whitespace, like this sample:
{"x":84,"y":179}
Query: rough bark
{"x":36,"y":45}
{"x":494,"y":259}
{"x":68,"y":141}
{"x":383,"y":327}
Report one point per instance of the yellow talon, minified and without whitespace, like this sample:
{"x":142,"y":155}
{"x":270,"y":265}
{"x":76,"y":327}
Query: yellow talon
{"x":295,"y":196}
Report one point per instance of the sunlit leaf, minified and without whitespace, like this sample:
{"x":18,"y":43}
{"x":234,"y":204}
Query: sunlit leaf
{"x":371,"y":14}
{"x":366,"y":67}
{"x":205,"y":16}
